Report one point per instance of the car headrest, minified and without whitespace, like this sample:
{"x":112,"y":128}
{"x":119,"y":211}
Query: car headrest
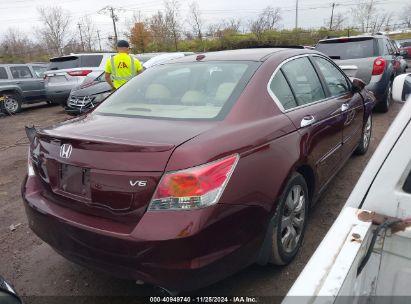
{"x":157,"y":91}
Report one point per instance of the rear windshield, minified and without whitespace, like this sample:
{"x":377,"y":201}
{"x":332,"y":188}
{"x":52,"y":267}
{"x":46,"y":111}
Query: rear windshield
{"x":196,"y":90}
{"x":405,"y":43}
{"x":69,"y":62}
{"x":347,"y":48}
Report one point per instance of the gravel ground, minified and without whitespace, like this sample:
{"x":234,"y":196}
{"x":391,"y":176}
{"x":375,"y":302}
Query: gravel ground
{"x":37,"y":271}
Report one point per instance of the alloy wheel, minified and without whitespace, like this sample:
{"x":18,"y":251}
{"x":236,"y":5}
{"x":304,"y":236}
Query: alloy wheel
{"x":292,"y":221}
{"x":11,"y":105}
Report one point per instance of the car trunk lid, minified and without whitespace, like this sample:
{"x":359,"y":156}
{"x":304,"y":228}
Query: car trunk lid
{"x":106,"y":165}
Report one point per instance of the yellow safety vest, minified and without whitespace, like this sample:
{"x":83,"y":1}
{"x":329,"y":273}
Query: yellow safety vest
{"x":122,"y":68}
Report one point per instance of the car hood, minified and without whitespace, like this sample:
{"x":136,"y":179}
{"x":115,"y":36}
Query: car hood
{"x":120,"y":143}
{"x":91,"y":88}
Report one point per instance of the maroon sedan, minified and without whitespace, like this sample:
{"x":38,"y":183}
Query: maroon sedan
{"x":197,"y":168}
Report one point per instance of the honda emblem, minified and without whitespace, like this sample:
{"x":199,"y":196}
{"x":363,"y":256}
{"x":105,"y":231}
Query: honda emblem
{"x":65,"y":151}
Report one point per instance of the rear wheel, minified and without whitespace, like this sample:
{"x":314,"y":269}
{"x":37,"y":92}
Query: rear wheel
{"x":365,"y":138}
{"x":290,"y":221}
{"x":11,"y":103}
{"x":384,"y":104}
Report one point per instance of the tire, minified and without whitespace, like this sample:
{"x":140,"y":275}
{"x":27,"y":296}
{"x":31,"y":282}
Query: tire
{"x":12,"y":103}
{"x":291,"y":215}
{"x":365,"y":137}
{"x":384,"y":104}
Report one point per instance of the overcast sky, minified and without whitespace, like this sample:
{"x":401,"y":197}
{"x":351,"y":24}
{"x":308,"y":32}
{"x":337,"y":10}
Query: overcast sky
{"x":22,"y":14}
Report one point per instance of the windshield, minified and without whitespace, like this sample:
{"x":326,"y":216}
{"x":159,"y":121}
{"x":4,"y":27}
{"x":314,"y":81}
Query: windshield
{"x":196,"y":90}
{"x":347,"y":49}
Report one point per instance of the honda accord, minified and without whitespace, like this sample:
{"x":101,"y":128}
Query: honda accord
{"x":197,"y":168}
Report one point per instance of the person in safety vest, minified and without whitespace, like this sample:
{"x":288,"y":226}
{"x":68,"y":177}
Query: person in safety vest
{"x":122,"y":67}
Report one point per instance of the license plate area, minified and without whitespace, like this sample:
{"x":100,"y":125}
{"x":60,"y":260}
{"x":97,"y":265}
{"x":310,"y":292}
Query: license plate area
{"x":75,"y":181}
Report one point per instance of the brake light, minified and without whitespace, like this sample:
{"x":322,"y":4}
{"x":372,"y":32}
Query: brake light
{"x":44,"y":77}
{"x":193,"y":188}
{"x":379,"y":66}
{"x":79,"y":73}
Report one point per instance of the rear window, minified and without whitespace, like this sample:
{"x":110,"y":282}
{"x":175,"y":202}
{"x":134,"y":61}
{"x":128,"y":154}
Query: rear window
{"x":69,"y":62}
{"x":348,"y":48}
{"x":405,"y":43}
{"x":197,"y":90}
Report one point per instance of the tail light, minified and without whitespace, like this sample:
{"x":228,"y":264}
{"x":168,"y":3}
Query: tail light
{"x":379,"y":66}
{"x":193,"y":188}
{"x":80,"y":73}
{"x":44,"y":77}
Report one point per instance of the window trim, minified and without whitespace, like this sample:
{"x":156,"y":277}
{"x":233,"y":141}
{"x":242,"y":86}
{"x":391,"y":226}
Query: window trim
{"x":278,"y":102}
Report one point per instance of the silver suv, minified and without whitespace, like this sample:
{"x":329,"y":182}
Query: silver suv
{"x":21,"y":83}
{"x":67,"y":72}
{"x":371,"y":58}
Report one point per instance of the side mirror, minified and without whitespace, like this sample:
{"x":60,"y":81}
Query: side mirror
{"x":7,"y":293}
{"x":357,"y":85}
{"x":401,"y":87}
{"x":403,"y":52}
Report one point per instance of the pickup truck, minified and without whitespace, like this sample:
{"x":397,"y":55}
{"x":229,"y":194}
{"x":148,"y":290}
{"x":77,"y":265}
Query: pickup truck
{"x":367,"y":251}
{"x":21,"y":83}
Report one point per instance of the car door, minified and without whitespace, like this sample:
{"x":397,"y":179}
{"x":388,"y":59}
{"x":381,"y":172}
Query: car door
{"x":38,"y":72}
{"x":23,"y":77}
{"x":352,"y":106}
{"x":317,"y":117}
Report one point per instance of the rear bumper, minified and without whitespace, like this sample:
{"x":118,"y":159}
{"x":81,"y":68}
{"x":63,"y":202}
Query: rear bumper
{"x":58,"y":97}
{"x":179,"y":251}
{"x":379,"y":88}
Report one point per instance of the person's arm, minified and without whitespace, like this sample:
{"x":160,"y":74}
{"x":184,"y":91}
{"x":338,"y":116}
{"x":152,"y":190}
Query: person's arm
{"x":107,"y":76}
{"x":139,"y":67}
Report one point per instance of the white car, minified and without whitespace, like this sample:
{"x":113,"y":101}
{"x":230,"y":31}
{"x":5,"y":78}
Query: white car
{"x":162,"y":58}
{"x":367,"y":251}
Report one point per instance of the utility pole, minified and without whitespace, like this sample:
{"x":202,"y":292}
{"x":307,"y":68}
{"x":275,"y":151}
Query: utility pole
{"x":332,"y":15}
{"x":99,"y":40}
{"x":296,"y":14}
{"x":114,"y":17}
{"x":81,"y":36}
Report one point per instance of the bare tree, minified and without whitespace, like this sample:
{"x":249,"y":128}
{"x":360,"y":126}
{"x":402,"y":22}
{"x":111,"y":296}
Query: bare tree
{"x":339,"y":21}
{"x":55,"y":30}
{"x":405,"y":16}
{"x":88,"y":29}
{"x":159,"y":30}
{"x":16,"y":43}
{"x":172,"y":20}
{"x":364,"y":13}
{"x":195,"y":20}
{"x":267,"y":20}
{"x":271,"y":17}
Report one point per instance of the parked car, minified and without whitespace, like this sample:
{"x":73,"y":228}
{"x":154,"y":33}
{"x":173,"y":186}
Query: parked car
{"x":400,"y":65}
{"x":93,"y":91}
{"x":162,"y":58}
{"x":198,"y":167}
{"x":365,"y":256}
{"x":406,"y":46}
{"x":67,"y":72}
{"x":370,"y":58}
{"x":21,"y":83}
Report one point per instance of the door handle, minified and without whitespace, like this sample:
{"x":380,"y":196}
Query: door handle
{"x":345,"y":107}
{"x":307,"y":121}
{"x":18,"y":82}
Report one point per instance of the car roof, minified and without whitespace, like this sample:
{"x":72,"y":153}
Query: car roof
{"x":256,"y":54}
